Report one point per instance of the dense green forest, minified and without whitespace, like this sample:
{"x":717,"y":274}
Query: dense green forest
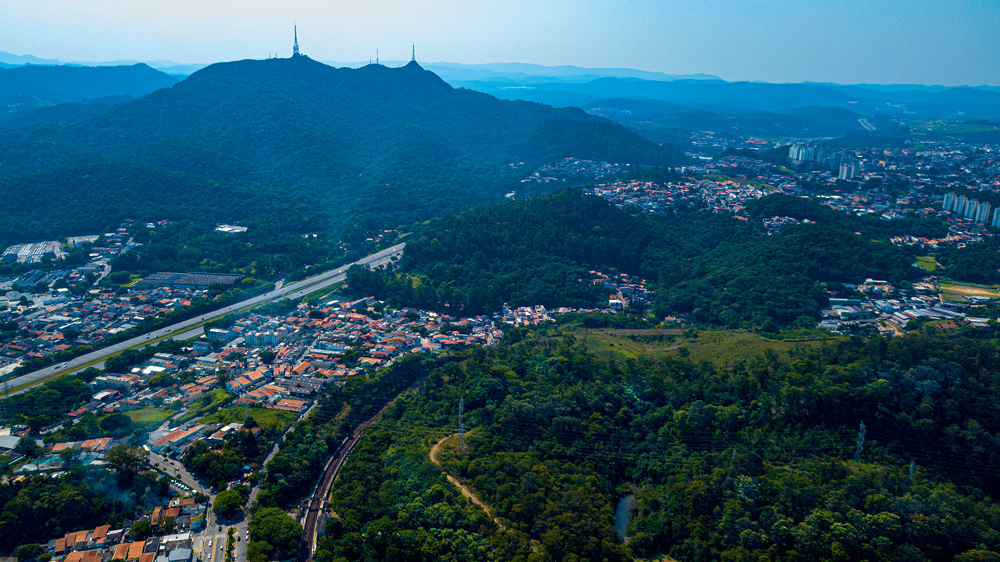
{"x":975,"y":263}
{"x":719,"y":270}
{"x":756,"y":459}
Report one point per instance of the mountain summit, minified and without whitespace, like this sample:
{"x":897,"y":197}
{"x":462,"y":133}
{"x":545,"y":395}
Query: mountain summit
{"x":391,"y":141}
{"x":302,"y":121}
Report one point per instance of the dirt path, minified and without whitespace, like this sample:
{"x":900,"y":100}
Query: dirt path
{"x":458,"y":484}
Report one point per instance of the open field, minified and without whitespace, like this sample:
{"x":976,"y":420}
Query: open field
{"x":928,"y":263}
{"x":948,"y":127}
{"x":970,"y":291}
{"x":217,"y":397}
{"x":719,"y":347}
{"x":150,"y":416}
{"x":272,"y":421}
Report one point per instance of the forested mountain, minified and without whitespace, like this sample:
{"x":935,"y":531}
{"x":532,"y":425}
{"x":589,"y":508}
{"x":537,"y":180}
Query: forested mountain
{"x":374,"y":146}
{"x":720,"y":270}
{"x":299,"y":121}
{"x":48,"y":85}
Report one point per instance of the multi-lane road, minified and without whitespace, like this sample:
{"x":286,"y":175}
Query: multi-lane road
{"x":189,"y":328}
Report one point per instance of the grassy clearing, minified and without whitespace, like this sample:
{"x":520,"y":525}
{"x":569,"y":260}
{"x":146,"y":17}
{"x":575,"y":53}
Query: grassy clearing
{"x":208,"y":403}
{"x":272,"y":421}
{"x":928,"y":263}
{"x":719,"y":347}
{"x":149,"y":417}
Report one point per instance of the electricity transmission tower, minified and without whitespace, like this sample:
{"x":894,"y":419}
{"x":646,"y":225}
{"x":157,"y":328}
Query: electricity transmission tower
{"x":861,"y":443}
{"x":462,"y":447}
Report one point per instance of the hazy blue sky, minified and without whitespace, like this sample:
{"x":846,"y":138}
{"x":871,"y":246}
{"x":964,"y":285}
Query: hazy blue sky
{"x":848,"y":41}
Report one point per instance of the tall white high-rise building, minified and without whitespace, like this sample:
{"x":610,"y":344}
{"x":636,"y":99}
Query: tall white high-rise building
{"x":982,"y":212}
{"x":949,"y":202}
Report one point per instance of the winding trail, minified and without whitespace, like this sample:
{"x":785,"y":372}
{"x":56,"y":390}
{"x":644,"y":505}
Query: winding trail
{"x":462,"y":487}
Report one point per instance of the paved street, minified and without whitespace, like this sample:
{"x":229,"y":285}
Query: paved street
{"x":175,"y":469}
{"x":210,"y":544}
{"x":181,"y":329}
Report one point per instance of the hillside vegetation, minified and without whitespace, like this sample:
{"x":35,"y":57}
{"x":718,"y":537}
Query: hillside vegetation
{"x":718,"y":269}
{"x":756,"y":459}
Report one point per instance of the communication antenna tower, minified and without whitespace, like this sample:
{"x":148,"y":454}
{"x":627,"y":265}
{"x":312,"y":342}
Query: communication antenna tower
{"x":413,"y":57}
{"x":461,"y":425}
{"x":295,"y":47}
{"x":376,"y":56}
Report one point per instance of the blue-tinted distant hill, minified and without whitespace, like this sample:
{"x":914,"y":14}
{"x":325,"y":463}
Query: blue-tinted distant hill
{"x":521,"y":73}
{"x":61,"y":84}
{"x":731,"y":98}
{"x":650,"y":116}
{"x":24,"y":88}
{"x":21,"y":60}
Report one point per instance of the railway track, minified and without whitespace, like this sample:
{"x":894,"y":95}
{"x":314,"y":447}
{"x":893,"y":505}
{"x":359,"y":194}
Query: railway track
{"x":317,"y":502}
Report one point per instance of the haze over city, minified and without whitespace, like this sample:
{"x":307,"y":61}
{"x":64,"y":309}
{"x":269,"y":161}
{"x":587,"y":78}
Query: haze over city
{"x":844,"y":41}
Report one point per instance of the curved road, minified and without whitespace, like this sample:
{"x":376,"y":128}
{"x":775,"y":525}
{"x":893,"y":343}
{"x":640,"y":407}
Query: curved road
{"x":292,"y":291}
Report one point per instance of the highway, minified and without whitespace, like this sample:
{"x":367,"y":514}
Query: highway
{"x":187,"y":329}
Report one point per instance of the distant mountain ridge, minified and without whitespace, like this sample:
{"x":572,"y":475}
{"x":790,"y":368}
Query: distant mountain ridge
{"x":268,"y":112}
{"x":25,"y":88}
{"x":391,"y":142}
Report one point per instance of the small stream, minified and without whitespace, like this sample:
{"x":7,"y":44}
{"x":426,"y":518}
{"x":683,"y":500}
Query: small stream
{"x":623,"y":515}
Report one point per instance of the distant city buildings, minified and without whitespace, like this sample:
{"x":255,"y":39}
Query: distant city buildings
{"x":971,"y":209}
{"x":845,"y":164}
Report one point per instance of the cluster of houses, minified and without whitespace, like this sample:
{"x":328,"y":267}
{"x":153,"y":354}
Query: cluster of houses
{"x":575,"y":167}
{"x":313,"y":348}
{"x":924,"y":172}
{"x":712,"y":142}
{"x":61,"y":320}
{"x":130,"y":391}
{"x":314,"y":343}
{"x":714,"y":195}
{"x":623,"y":290}
{"x":774,"y":224}
{"x":525,"y":315}
{"x":103,"y":544}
